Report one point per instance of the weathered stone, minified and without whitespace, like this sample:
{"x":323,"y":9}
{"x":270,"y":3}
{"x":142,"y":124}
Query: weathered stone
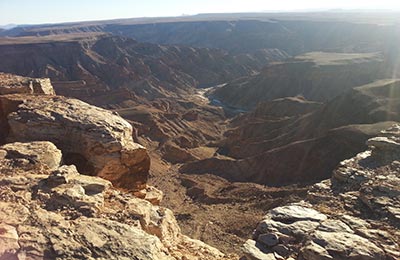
{"x":12,"y":84}
{"x":253,"y":252}
{"x":342,"y":245}
{"x":8,"y":241}
{"x":37,"y":153}
{"x":151,"y":194}
{"x":269,"y":239}
{"x":73,"y":216}
{"x":155,"y":220}
{"x":12,"y":213}
{"x":94,"y":139}
{"x":298,"y":229}
{"x":355,"y":223}
{"x":313,"y":251}
{"x":332,"y":225}
{"x":295,"y":213}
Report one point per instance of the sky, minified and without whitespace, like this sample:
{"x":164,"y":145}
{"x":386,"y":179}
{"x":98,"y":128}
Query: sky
{"x":54,"y":11}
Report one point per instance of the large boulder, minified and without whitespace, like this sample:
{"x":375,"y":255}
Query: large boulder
{"x":35,"y":153}
{"x":97,"y":141}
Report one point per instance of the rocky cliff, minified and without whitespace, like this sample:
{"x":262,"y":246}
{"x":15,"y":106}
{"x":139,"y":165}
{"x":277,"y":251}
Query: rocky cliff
{"x":305,"y":142}
{"x":317,"y":76}
{"x":49,"y":210}
{"x":87,"y":65}
{"x":353,"y":215}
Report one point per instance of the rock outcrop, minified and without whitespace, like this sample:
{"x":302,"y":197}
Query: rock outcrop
{"x":304,"y":142}
{"x":317,"y":76}
{"x":353,"y":215}
{"x":50,"y":211}
{"x":96,"y":140}
{"x":12,"y":84}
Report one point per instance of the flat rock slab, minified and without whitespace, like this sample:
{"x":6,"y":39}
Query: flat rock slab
{"x":292,"y":213}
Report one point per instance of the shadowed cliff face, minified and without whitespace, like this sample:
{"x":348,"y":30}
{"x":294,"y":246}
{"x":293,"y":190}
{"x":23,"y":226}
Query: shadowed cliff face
{"x":273,"y":148}
{"x":316,"y":76}
{"x":353,"y":215}
{"x":93,"y":65}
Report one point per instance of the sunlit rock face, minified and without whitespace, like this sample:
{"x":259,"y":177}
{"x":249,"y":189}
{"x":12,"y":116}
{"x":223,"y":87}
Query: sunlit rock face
{"x":51,"y":211}
{"x":99,"y":142}
{"x":11,"y":84}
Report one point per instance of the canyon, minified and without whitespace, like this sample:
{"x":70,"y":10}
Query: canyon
{"x":266,"y":136}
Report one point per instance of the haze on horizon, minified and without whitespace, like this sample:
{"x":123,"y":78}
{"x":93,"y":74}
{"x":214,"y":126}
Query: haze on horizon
{"x":50,"y":11}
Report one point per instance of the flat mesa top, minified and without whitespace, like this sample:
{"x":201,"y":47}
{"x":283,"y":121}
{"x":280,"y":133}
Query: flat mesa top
{"x":334,"y":58}
{"x":71,"y":37}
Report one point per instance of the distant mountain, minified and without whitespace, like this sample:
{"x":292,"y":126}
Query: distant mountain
{"x":8,"y":26}
{"x":294,"y":33}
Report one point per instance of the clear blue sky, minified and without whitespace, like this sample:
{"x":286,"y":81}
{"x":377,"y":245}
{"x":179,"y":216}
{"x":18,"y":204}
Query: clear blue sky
{"x":52,"y":11}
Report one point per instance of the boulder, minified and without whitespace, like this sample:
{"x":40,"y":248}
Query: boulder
{"x":344,"y":245}
{"x":292,"y":213}
{"x":252,"y":251}
{"x":97,"y":141}
{"x":12,"y":84}
{"x":35,"y":153}
{"x":269,"y":239}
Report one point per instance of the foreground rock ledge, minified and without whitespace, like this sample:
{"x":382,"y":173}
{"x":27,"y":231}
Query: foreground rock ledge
{"x":53,"y":212}
{"x":355,"y":215}
{"x":97,"y":141}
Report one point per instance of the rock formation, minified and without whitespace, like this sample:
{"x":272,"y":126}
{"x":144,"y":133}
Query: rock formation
{"x":99,"y":142}
{"x":304,"y":142}
{"x":12,"y":84}
{"x":353,"y":215}
{"x":317,"y":76}
{"x":50,"y":211}
{"x":88,"y":66}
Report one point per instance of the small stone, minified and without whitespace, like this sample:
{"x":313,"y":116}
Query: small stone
{"x":269,"y":240}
